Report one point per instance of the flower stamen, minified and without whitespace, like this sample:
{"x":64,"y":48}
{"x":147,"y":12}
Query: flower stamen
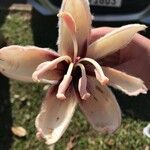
{"x":46,"y":66}
{"x":98,"y":70}
{"x":83,"y":83}
{"x":65,"y":83}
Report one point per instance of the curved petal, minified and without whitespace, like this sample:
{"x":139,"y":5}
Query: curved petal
{"x":80,"y":12}
{"x":20,"y":62}
{"x":55,"y":115}
{"x":113,"y":41}
{"x":101,"y":109}
{"x":124,"y":82}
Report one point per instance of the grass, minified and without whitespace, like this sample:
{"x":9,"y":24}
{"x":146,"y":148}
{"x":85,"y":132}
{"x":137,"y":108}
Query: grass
{"x":26,"y":99}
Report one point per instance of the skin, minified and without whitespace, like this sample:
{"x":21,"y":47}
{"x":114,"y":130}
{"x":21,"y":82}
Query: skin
{"x":134,"y":59}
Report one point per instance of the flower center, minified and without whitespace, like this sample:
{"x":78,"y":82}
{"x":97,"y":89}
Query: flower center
{"x":82,"y":80}
{"x":74,"y":62}
{"x":38,"y":75}
{"x":77,"y":59}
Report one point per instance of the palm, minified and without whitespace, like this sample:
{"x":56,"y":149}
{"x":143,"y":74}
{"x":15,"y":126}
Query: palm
{"x":133,"y":59}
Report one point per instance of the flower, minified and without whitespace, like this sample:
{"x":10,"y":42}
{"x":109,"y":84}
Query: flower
{"x":75,"y":73}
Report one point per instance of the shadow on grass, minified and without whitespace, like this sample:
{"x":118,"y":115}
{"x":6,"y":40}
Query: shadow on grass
{"x":135,"y":107}
{"x":5,"y":105}
{"x":5,"y":108}
{"x":5,"y":114}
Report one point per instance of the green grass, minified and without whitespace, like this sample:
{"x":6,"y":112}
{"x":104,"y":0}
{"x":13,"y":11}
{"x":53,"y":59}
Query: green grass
{"x":26,"y":100}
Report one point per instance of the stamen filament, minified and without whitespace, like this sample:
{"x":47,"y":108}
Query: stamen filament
{"x":98,"y":70}
{"x":83,"y":83}
{"x":60,"y":59}
{"x":49,"y":65}
{"x":65,"y":83}
{"x":75,"y":46}
{"x":53,"y":82}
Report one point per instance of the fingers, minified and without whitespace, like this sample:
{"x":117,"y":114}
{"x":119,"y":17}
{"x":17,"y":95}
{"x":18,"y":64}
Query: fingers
{"x":142,"y":42}
{"x":133,"y":59}
{"x":137,"y":67}
{"x":138,"y":48}
{"x":99,"y":32}
{"x":111,"y":60}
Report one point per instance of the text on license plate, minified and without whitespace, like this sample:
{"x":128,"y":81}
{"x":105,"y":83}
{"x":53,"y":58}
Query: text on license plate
{"x":108,"y":3}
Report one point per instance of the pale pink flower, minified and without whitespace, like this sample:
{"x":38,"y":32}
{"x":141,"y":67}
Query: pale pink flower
{"x":75,"y":73}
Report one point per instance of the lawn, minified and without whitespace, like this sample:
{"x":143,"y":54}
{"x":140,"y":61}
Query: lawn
{"x":21,"y":103}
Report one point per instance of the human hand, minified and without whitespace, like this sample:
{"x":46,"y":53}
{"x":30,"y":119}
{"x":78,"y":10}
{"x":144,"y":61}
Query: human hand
{"x":134,"y":59}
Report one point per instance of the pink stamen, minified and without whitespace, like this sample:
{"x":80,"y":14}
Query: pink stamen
{"x":83,"y":83}
{"x":103,"y":81}
{"x":46,"y":66}
{"x":98,"y":70}
{"x":63,"y":87}
{"x":65,"y":83}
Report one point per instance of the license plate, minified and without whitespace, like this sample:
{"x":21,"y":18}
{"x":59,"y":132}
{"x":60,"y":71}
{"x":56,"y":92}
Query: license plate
{"x":107,"y":3}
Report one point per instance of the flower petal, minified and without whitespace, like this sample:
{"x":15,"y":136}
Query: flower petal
{"x":113,"y":41}
{"x":101,"y":109}
{"x":124,"y":82}
{"x":80,"y":12}
{"x":20,"y":62}
{"x":55,"y":115}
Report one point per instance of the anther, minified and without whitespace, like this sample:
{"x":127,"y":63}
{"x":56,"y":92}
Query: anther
{"x":65,"y":83}
{"x":83,"y":83}
{"x":98,"y":71}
